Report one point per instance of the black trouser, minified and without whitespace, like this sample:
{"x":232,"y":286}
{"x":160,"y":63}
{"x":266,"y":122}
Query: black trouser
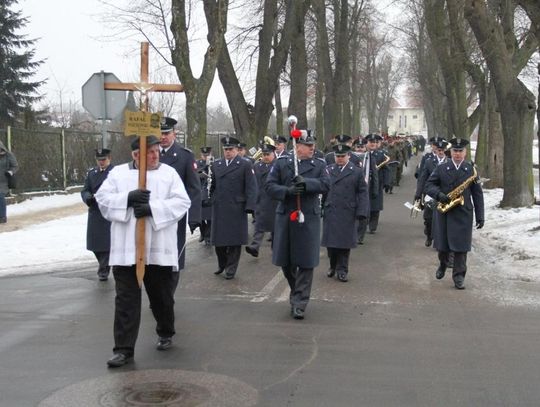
{"x":103,"y":260}
{"x":428,"y":221}
{"x":373,"y":220}
{"x":205,"y":228}
{"x":299,"y":280}
{"x":228,"y":258}
{"x":339,"y":260}
{"x":127,"y":313}
{"x":460,"y":264}
{"x":362,"y":227}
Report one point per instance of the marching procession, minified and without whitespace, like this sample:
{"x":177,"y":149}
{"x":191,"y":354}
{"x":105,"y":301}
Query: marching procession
{"x":302,"y":198}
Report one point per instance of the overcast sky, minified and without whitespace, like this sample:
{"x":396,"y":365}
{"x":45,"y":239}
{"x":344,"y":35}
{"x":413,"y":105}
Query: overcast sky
{"x":73,"y":43}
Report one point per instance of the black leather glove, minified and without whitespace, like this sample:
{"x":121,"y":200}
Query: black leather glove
{"x":138,"y":196}
{"x":141,"y":210}
{"x":296,"y":189}
{"x":443,"y":198}
{"x":417,"y":197}
{"x":479,"y":224}
{"x":193,"y":226}
{"x":91,"y":200}
{"x":249,"y":211}
{"x":299,"y":180}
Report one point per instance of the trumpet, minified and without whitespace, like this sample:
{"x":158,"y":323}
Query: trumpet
{"x":267,"y":140}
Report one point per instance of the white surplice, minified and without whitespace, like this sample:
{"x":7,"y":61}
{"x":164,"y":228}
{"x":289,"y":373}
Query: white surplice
{"x":169,"y":202}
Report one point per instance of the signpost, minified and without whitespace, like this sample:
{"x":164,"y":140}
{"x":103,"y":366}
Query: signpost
{"x":142,"y":131}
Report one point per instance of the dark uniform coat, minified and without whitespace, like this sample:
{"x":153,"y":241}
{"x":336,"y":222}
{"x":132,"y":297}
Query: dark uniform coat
{"x":265,"y":211}
{"x":383,"y":176}
{"x":234,"y":192}
{"x":427,"y":169}
{"x":183,"y":161}
{"x":98,"y":229}
{"x":452,"y":232}
{"x":297,"y":244}
{"x":343,"y":205}
{"x":330,"y":158}
{"x":206,"y":205}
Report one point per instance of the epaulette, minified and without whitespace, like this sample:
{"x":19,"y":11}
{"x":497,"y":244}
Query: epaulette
{"x":185,"y":148}
{"x":283,"y":157}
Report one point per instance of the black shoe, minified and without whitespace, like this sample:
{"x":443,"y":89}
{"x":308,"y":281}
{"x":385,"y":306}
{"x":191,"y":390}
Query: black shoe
{"x":360,"y":241}
{"x":164,"y":343}
{"x":103,"y":278}
{"x":428,"y":242}
{"x":331,"y":273}
{"x":460,"y":285}
{"x":3,"y":220}
{"x":254,"y":252}
{"x":298,"y":313}
{"x":439,"y":274}
{"x":218,"y":271}
{"x":343,"y":278}
{"x":119,"y":359}
{"x":371,"y":232}
{"x":229,"y":276}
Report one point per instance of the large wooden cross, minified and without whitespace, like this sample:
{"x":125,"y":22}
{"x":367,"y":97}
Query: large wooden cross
{"x":144,"y":87}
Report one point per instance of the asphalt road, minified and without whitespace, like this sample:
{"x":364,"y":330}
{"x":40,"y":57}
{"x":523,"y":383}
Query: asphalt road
{"x":391,"y":336}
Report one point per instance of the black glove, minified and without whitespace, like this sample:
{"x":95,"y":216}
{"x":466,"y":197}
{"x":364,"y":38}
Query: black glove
{"x":417,"y":197}
{"x":193,"y":226}
{"x":138,"y":196}
{"x":249,"y":211}
{"x":142,"y":210}
{"x":443,"y":198}
{"x":479,"y":224}
{"x":296,"y":189}
{"x":361,"y":218}
{"x":8,"y":174}
{"x":91,"y":200}
{"x":299,"y":180}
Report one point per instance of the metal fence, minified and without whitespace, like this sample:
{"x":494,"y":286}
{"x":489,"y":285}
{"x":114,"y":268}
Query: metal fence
{"x":52,"y":160}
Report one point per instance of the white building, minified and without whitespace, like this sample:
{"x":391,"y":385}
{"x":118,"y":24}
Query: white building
{"x":406,"y":117}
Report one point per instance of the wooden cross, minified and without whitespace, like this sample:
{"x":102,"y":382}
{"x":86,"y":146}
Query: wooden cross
{"x":144,"y":87}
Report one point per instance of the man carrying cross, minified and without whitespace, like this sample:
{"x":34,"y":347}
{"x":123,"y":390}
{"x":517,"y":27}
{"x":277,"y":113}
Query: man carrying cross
{"x":162,"y":204}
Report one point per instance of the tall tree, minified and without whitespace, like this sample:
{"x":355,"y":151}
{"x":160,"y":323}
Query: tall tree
{"x":17,"y":65}
{"x":517,"y":105}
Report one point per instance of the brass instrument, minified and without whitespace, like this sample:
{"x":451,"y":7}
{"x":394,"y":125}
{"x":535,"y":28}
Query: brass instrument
{"x":456,"y":195}
{"x":267,"y":140}
{"x":382,"y":164}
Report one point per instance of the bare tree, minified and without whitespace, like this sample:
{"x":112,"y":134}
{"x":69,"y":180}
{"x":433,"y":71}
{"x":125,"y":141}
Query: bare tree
{"x":516,"y":102}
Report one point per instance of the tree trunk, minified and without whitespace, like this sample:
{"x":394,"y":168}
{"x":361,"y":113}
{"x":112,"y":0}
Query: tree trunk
{"x":516,"y":103}
{"x":299,"y":70}
{"x":495,"y":150}
{"x":280,"y":120}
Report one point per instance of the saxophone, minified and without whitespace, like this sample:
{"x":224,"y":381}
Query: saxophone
{"x":456,"y":195}
{"x":383,"y":163}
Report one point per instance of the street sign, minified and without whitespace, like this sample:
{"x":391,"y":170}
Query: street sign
{"x":100,"y":103}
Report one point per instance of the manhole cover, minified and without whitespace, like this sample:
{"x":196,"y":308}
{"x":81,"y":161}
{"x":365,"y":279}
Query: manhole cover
{"x":166,"y":388}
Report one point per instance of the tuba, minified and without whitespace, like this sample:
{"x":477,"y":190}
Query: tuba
{"x":456,"y":195}
{"x":267,"y":140}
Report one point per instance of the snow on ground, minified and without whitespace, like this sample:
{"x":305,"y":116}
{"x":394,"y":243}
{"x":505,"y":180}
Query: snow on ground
{"x":57,"y":243}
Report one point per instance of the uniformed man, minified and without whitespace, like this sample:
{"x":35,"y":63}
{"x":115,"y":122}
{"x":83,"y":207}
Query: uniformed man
{"x":183,"y":161}
{"x":296,"y":245}
{"x":234,"y":195}
{"x":204,"y":169}
{"x":437,"y":159}
{"x":242,"y":152}
{"x":345,"y":203}
{"x":345,"y":140}
{"x":281,"y":146}
{"x":371,"y":176}
{"x":265,"y":210}
{"x":98,"y":229}
{"x":381,"y":159}
{"x":452,"y":230}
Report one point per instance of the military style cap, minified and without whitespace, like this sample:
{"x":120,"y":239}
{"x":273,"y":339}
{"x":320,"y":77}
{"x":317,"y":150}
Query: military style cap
{"x":373,"y":137}
{"x":206,"y":150}
{"x":440,"y":144}
{"x":280,"y":139}
{"x":150,"y":141}
{"x":102,"y":152}
{"x":359,"y":141}
{"x":343,"y":138}
{"x":341,"y":149}
{"x":229,"y":141}
{"x":267,"y":148}
{"x":242,"y":145}
{"x":306,"y":137}
{"x":436,"y":139}
{"x":167,"y":124}
{"x":459,"y":143}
